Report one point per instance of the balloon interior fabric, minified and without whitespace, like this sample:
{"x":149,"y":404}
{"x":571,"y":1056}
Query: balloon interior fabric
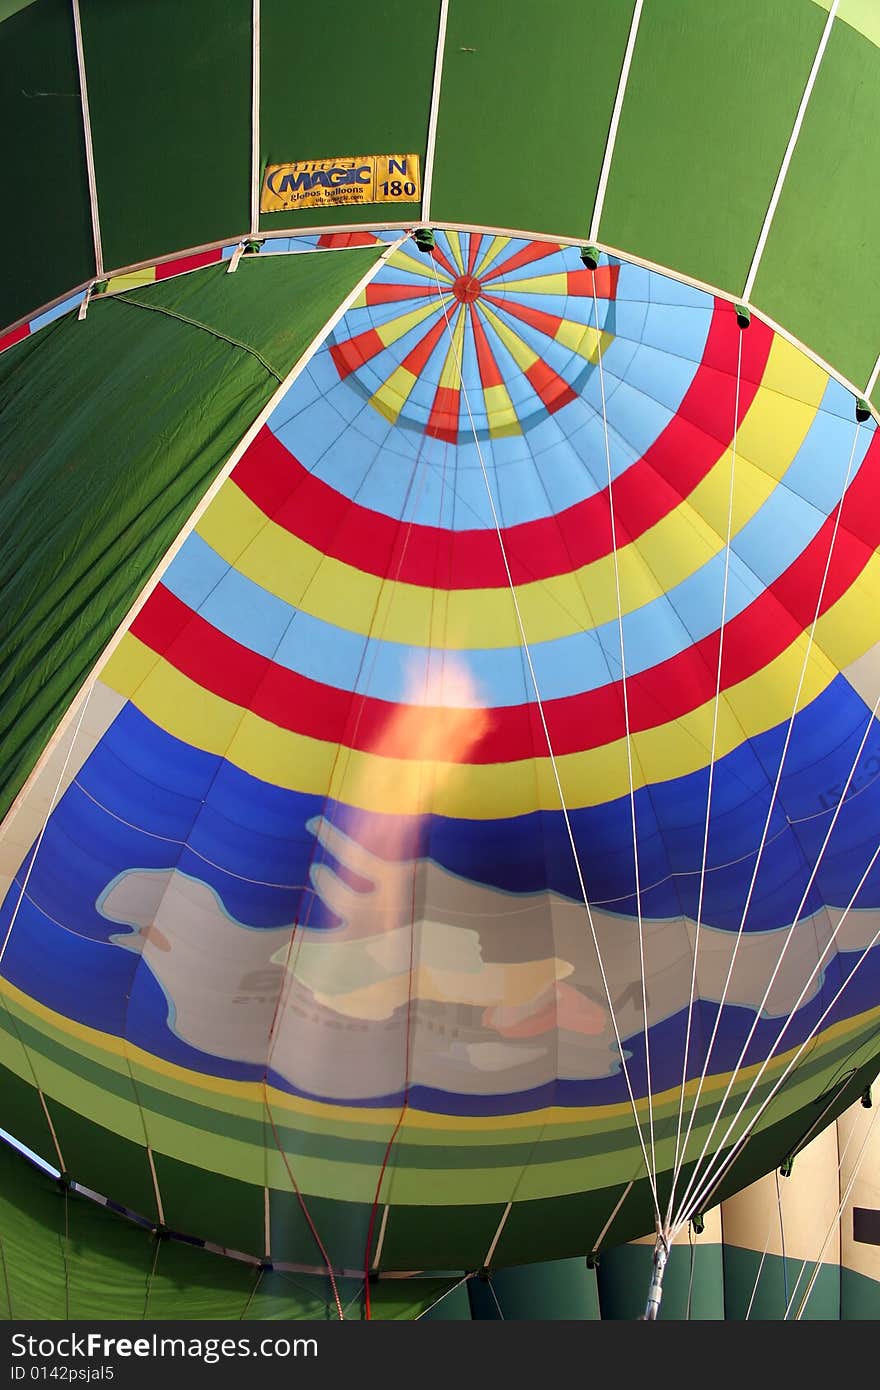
{"x":495,"y":753}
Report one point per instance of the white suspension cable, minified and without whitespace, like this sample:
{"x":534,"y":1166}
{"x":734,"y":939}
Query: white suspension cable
{"x":495,"y":1297}
{"x":834,"y":1221}
{"x":849,"y":1187}
{"x":553,"y":763}
{"x":781,"y":1234}
{"x":628,"y":731}
{"x":763,"y":842}
{"x":679,"y":1155}
{"x":797,"y":917}
{"x":713,"y":1179}
{"x":760,"y":1268}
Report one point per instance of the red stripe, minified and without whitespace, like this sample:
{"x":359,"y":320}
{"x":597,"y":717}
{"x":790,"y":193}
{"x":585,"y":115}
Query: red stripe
{"x":548,"y":324}
{"x":442,"y":259}
{"x":581,"y":282}
{"x":649,"y":490}
{"x":475,"y":239}
{"x":347,"y":239}
{"x":354,"y":352}
{"x":490,"y":372}
{"x":15,"y":335}
{"x":445,"y":411}
{"x":381,"y":292}
{"x":549,"y":386}
{"x":533,"y":251}
{"x":417,"y":357}
{"x":185,"y":263}
{"x":591,"y":719}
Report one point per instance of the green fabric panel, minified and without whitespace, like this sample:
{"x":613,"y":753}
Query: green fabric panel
{"x":281,"y":1294}
{"x":863,"y":15}
{"x":770,"y":1291}
{"x":341,"y":1226}
{"x":44,"y":171}
{"x":32,"y":1236}
{"x":557,"y":1290}
{"x":22,"y":1115}
{"x":197,"y":1202}
{"x":704,"y":127}
{"x":451,"y":1307}
{"x":308,"y":110}
{"x":103,"y":439}
{"x":170,"y":105}
{"x":399,"y":1299}
{"x":820,"y":273}
{"x":573,"y":1222}
{"x":525,"y":106}
{"x":768,"y":1147}
{"x":103,"y":1161}
{"x":189,"y":1282}
{"x":10,"y":7}
{"x":625,"y":1274}
{"x":458,"y":1237}
{"x":110,"y":1262}
{"x":859,"y":1297}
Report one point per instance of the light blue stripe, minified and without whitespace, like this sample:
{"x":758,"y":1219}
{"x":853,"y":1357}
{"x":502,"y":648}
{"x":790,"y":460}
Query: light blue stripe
{"x":644,"y":387}
{"x":766,"y":546}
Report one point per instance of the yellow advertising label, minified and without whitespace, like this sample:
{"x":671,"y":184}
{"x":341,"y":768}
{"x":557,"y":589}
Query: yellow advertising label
{"x":352,"y":179}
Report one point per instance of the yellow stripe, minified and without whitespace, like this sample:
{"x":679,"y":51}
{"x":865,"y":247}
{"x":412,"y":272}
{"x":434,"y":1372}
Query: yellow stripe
{"x":392,"y":395}
{"x":120,"y":1055}
{"x":397,"y":327}
{"x":455,"y":247}
{"x":582,"y":340}
{"x":502,"y":416}
{"x":498,"y":790}
{"x":132,"y":281}
{"x":450,"y":376}
{"x":675,"y":548}
{"x":519,"y":351}
{"x":496,"y":246}
{"x":538,"y":284}
{"x":425,"y":266}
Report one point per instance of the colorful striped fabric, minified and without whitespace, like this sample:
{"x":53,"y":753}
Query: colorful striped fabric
{"x":458,"y":606}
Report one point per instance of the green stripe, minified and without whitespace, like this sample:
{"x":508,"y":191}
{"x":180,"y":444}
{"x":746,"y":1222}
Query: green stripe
{"x":80,"y":397}
{"x":820,"y":274}
{"x":704,"y":128}
{"x":352,"y":79}
{"x":170,"y":104}
{"x":46,"y":244}
{"x":524,"y":112}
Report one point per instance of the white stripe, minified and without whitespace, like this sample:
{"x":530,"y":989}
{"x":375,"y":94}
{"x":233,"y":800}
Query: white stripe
{"x":607,"y":1227}
{"x":497,"y":1236}
{"x":615,"y":120}
{"x":790,"y":148}
{"x":381,"y":1241}
{"x":76,"y":707}
{"x":435,"y":111}
{"x":255,"y":120}
{"x":156,"y":1193}
{"x":872,"y":379}
{"x":87,"y":132}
